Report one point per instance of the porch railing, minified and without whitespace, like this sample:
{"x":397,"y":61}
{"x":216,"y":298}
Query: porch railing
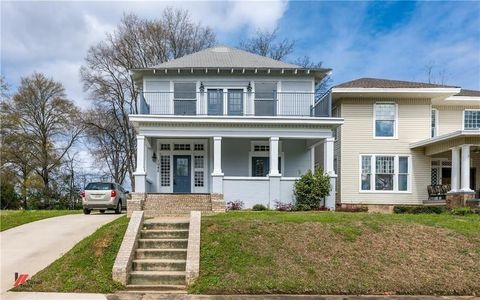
{"x":235,"y":103}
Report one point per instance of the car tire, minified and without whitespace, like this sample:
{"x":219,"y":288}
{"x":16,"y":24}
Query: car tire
{"x":118,"y":209}
{"x":102,"y":211}
{"x":87,"y":211}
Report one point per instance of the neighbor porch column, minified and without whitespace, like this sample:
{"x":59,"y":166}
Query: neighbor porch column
{"x":140,"y":174}
{"x":455,"y":169}
{"x":465,"y":177}
{"x":217,"y":175}
{"x":274,"y":173}
{"x":328,"y":169}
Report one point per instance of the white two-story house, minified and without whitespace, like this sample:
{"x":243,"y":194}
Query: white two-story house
{"x":223,"y":125}
{"x":406,"y":143}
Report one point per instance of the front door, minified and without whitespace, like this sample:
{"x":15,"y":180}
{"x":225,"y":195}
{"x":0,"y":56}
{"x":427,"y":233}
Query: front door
{"x":181,"y":174}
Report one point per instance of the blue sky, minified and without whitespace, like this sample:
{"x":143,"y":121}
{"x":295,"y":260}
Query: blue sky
{"x":394,"y":40}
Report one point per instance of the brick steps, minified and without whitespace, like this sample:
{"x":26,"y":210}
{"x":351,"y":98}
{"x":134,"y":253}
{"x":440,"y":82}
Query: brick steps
{"x":160,"y":259}
{"x":181,"y":204}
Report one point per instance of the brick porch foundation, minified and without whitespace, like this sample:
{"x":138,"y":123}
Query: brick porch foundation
{"x":459,"y":199}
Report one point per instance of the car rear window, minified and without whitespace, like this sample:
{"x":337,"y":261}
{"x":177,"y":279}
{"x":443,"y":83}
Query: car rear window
{"x":99,"y":186}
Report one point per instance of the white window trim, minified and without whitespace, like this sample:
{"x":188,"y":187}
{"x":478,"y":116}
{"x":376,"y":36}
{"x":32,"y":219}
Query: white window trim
{"x":463,"y":119}
{"x":192,"y":153}
{"x":253,"y":153}
{"x":395,"y":174}
{"x":225,"y":97}
{"x":434,"y":111}
{"x":395,"y":128}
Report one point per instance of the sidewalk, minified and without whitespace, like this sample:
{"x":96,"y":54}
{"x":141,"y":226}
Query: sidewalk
{"x":157,"y":296}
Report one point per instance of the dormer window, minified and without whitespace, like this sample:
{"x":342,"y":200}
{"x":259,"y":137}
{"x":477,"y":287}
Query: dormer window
{"x":385,"y":120}
{"x":471,"y":119}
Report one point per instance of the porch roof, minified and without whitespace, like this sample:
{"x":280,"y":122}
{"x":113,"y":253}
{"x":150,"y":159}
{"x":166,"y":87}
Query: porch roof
{"x":229,"y":126}
{"x":444,"y":142}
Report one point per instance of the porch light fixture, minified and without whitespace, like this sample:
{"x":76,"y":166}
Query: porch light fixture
{"x":202,"y":87}
{"x":154,"y":157}
{"x":249,"y":87}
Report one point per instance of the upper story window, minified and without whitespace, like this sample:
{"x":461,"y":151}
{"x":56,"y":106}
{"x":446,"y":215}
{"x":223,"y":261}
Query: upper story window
{"x":385,"y":120}
{"x":471,"y":119}
{"x":434,"y":123}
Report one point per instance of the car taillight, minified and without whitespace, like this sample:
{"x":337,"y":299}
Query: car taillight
{"x":114,"y":193}
{"x":82,"y":194}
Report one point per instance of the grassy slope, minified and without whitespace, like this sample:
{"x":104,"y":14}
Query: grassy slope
{"x":14,"y":218}
{"x":339,"y":253}
{"x":87,"y":267}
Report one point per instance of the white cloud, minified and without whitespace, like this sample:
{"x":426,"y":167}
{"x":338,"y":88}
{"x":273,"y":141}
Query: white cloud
{"x":53,"y":37}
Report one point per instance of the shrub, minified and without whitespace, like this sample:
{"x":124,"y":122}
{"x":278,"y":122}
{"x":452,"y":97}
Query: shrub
{"x":411,"y":209}
{"x":302,"y":207}
{"x":352,"y":209}
{"x":311,"y":188}
{"x":462,"y":211}
{"x":235,"y":205}
{"x":259,"y":207}
{"x":280,"y":206}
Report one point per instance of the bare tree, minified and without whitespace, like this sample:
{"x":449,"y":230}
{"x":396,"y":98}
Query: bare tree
{"x":105,"y":140}
{"x":43,"y":124}
{"x":435,"y":74}
{"x":136,"y":43}
{"x":266,"y":43}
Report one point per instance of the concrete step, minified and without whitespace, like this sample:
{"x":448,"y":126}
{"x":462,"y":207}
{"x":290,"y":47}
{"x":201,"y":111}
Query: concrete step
{"x":159,"y":264}
{"x":165,"y":225}
{"x":157,"y":278}
{"x":162,"y":243}
{"x":164,"y":234}
{"x":161,"y":254}
{"x":164,"y":288}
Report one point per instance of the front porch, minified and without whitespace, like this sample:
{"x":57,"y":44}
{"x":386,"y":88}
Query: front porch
{"x":254,"y":160}
{"x":251,"y":170}
{"x":455,"y":167}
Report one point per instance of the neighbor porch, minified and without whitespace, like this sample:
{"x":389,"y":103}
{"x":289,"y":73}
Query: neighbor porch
{"x":455,"y":167}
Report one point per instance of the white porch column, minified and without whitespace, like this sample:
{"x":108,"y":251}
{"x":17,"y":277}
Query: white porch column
{"x":328,"y":165}
{"x":274,"y":174}
{"x":328,"y":154}
{"x":465,"y":177}
{"x":140,"y":174}
{"x":312,"y":159}
{"x":274,"y":157}
{"x":217,"y":175}
{"x":455,"y":169}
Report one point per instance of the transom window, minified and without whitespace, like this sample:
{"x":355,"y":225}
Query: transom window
{"x":181,"y":147}
{"x":165,"y":147}
{"x":385,"y":173}
{"x":261,"y":148}
{"x":385,"y":120}
{"x":471,"y":119}
{"x":198,"y":147}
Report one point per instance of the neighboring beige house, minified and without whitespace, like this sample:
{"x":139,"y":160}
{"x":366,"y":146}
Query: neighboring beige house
{"x":400,"y":137}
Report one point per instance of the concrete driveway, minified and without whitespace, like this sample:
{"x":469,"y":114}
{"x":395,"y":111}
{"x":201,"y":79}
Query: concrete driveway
{"x":29,"y":248}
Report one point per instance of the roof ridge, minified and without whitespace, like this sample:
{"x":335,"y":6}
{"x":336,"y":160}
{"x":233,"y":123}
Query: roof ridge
{"x":370,"y":82}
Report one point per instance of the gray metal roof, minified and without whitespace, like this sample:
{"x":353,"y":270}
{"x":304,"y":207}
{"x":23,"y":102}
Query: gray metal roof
{"x":225,"y":57}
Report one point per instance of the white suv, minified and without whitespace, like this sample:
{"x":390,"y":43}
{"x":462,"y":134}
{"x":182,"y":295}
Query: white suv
{"x":103,"y":196}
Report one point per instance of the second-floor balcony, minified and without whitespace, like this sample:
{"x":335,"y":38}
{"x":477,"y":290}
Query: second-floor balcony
{"x":233,"y":102}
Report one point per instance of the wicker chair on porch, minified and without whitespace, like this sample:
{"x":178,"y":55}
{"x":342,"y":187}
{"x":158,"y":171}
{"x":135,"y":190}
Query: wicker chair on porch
{"x":438,"y":191}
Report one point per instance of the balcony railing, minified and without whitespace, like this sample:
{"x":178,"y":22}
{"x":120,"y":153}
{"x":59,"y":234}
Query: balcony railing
{"x":234,"y":103}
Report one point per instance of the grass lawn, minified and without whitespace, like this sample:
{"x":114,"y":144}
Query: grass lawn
{"x":339,"y":253}
{"x":14,"y":218}
{"x":87,"y":267}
